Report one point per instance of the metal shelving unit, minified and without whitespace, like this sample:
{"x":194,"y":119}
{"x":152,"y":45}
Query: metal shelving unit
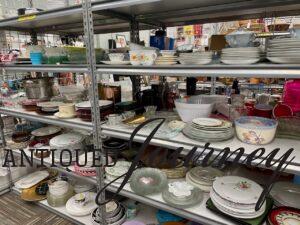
{"x":120,"y":15}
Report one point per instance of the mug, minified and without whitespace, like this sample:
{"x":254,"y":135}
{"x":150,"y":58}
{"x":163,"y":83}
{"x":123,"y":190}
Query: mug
{"x":148,"y":57}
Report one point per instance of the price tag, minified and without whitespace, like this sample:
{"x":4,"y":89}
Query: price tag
{"x":26,"y":18}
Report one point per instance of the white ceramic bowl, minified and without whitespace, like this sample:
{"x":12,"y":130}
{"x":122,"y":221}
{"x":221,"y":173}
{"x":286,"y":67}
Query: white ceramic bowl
{"x":255,"y":130}
{"x":116,"y":57}
{"x":188,"y":110}
{"x":240,"y":38}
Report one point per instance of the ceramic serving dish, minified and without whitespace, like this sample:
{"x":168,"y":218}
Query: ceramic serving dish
{"x":32,"y":195}
{"x":148,"y":181}
{"x":32,"y":179}
{"x":255,"y":130}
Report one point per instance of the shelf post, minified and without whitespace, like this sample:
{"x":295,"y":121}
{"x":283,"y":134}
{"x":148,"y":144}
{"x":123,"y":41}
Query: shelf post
{"x":213,"y":85}
{"x":3,"y":144}
{"x":135,"y":38}
{"x":94,"y":97}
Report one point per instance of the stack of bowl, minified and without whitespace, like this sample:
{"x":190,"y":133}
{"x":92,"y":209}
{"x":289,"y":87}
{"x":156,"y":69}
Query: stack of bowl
{"x":115,"y":214}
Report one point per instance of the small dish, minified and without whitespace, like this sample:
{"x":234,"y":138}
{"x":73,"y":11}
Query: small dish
{"x":180,"y":194}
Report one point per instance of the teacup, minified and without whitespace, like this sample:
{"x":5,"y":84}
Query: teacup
{"x":114,"y":119}
{"x":116,"y":57}
{"x":148,"y":57}
{"x":135,"y":57}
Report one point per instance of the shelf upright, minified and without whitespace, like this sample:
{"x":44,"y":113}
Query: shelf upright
{"x":88,"y":24}
{"x":3,"y":145}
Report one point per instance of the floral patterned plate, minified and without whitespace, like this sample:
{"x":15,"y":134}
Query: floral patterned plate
{"x":284,"y":216}
{"x":238,"y":190}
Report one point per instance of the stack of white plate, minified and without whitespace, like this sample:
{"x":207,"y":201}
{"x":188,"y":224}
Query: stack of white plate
{"x":284,"y":50}
{"x":166,"y":59}
{"x":55,"y":4}
{"x":203,"y":178}
{"x":237,"y":197}
{"x":196,"y":58}
{"x":245,"y":56}
{"x":209,"y":130}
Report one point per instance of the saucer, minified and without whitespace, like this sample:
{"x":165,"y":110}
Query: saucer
{"x":64,"y":117}
{"x":116,"y":62}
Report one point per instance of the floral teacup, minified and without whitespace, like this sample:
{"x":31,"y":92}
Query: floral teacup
{"x":148,"y":57}
{"x":135,"y":57}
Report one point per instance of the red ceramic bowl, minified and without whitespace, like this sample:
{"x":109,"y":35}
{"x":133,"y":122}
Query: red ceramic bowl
{"x":262,"y":110}
{"x":282,"y":110}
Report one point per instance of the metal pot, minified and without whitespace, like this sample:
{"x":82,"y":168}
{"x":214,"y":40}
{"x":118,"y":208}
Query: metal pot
{"x":38,"y":88}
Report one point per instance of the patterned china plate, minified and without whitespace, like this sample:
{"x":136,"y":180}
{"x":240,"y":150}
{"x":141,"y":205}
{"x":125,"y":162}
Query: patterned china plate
{"x":207,"y":122}
{"x":284,"y":216}
{"x":87,"y":104}
{"x":32,"y":179}
{"x":238,"y":190}
{"x":45,"y":131}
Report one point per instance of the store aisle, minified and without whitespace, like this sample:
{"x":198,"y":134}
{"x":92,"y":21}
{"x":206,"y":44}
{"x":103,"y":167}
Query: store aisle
{"x":14,"y":211}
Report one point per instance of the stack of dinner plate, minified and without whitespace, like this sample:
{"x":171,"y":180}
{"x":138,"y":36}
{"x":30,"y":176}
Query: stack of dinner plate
{"x":203,"y":178}
{"x":237,"y":197}
{"x":209,"y":130}
{"x":195,"y":58}
{"x":284,"y":50}
{"x":247,"y":55}
{"x":166,"y":60}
